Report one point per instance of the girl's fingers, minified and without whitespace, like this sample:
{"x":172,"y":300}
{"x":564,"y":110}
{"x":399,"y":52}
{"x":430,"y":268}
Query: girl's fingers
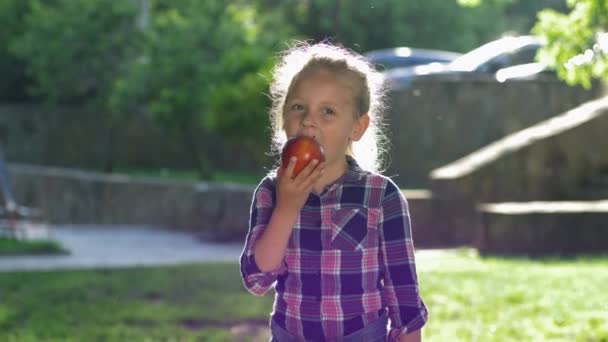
{"x":301,"y":177}
{"x":280,"y":172}
{"x":290,"y":166}
{"x":307,"y":170}
{"x":314,"y":175}
{"x":318,"y":172}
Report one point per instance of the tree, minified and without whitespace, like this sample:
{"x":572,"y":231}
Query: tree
{"x":577,"y":43}
{"x":202,"y":73}
{"x":196,"y":67}
{"x":76,"y":49}
{"x":518,"y":15}
{"x":14,"y":81}
{"x":458,"y":25}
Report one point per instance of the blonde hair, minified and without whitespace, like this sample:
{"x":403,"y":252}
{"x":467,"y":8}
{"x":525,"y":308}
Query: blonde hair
{"x":302,"y":58}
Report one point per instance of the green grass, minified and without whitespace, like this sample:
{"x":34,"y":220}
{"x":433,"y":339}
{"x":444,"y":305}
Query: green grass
{"x":492,"y":299}
{"x":16,"y":247}
{"x":152,"y":304}
{"x":470,"y":299}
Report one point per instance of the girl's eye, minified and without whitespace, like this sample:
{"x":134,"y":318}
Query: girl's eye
{"x":328,"y":111}
{"x":297,"y":107}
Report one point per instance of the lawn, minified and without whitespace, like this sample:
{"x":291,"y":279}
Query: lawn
{"x":470,"y":299}
{"x":17,"y":247}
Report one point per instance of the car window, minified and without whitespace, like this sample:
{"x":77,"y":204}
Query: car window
{"x":523,"y":56}
{"x":382,"y":64}
{"x":493,"y":55}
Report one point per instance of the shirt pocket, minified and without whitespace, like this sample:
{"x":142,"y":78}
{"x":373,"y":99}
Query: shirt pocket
{"x":350,"y":229}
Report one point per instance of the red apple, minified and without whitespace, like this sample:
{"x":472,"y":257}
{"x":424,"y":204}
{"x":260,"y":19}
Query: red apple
{"x":305,"y":149}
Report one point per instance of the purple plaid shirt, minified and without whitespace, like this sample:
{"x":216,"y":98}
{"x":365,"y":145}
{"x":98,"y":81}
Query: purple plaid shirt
{"x":349,"y":259}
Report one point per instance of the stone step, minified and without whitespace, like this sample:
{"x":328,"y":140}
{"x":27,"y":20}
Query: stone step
{"x":544,"y":228}
{"x":594,"y":189}
{"x":591,"y":194}
{"x":600,"y":180}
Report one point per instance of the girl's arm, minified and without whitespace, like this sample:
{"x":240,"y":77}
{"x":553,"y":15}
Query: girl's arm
{"x":407,"y":311}
{"x":269,"y":250}
{"x":415,"y":336}
{"x":255,"y":280}
{"x":292,"y":194}
{"x":274,"y":211}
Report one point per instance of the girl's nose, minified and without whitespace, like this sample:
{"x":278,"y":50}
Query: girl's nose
{"x":307,"y":119}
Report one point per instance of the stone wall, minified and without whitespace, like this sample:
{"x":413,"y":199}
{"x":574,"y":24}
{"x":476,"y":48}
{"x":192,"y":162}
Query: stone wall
{"x":213,"y":210}
{"x":544,"y":228}
{"x":548,"y":161}
{"x":218,"y":211}
{"x":436,"y":122}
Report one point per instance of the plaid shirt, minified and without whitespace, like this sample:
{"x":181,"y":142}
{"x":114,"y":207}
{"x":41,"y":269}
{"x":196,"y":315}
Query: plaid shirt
{"x":350,"y":257}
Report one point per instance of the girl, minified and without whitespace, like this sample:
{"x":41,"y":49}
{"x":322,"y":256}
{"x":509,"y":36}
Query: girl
{"x":335,"y":240}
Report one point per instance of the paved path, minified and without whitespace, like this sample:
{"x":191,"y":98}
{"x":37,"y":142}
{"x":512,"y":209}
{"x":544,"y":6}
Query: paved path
{"x":110,"y":246}
{"x":99,"y":246}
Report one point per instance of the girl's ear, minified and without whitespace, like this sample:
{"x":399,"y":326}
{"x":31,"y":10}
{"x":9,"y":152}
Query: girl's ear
{"x":360,"y":127}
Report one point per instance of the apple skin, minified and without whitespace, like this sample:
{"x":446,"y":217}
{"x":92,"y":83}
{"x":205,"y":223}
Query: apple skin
{"x":305,"y":149}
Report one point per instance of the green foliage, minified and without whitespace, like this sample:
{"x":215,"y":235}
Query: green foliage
{"x":202,"y":72}
{"x":365,"y":25}
{"x":575,"y":34}
{"x":197,"y":67}
{"x":518,"y":15}
{"x":13,"y":82}
{"x":75,"y":49}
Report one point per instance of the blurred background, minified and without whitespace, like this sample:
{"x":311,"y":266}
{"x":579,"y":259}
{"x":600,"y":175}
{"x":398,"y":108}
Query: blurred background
{"x":133,"y":132}
{"x":165,"y":87}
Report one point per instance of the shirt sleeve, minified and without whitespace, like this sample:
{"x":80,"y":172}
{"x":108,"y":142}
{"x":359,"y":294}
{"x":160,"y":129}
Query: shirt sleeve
{"x":407,"y":311}
{"x":256,"y":281}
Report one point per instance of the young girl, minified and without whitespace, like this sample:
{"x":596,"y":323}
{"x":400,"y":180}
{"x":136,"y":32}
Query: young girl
{"x":335,"y":240}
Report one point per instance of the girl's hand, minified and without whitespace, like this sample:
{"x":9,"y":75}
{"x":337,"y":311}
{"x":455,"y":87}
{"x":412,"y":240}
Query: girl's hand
{"x":292,"y":193}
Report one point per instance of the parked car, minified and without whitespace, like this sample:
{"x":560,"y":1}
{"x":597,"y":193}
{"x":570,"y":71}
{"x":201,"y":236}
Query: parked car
{"x":538,"y":71}
{"x":386,"y":59}
{"x":529,"y":71}
{"x":486,"y":59}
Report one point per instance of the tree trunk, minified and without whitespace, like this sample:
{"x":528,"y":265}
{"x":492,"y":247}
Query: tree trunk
{"x":203,"y":164}
{"x":108,"y":153}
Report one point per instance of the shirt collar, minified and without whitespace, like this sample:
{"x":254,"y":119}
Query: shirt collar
{"x":353,"y":170}
{"x":353,"y":175}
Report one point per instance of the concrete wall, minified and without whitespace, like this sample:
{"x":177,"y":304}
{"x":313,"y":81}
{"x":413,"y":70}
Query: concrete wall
{"x":548,"y":161}
{"x":215,"y":211}
{"x":219,"y":211}
{"x":544,"y":228}
{"x":436,"y":122}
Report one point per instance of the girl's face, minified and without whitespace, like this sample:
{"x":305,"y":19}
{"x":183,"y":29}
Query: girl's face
{"x":323,"y":106}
